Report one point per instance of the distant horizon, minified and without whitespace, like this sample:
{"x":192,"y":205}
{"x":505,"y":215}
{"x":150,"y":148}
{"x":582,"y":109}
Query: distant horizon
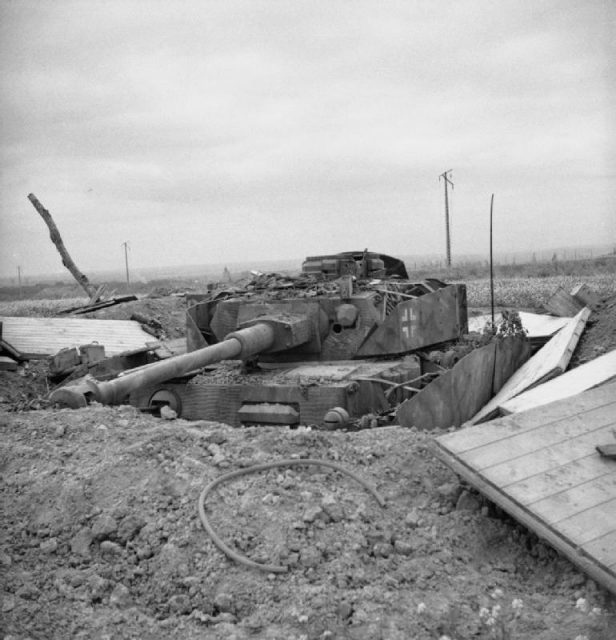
{"x":154,"y":272}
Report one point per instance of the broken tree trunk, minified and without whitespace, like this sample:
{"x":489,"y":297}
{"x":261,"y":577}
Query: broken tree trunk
{"x":67,"y":261}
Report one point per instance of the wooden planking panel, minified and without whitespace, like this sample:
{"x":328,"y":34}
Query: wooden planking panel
{"x":548,"y":362}
{"x":548,"y":458}
{"x":558,"y":506}
{"x":578,"y":527}
{"x":41,"y":337}
{"x":588,"y":469}
{"x":580,"y":379}
{"x":535,"y":440}
{"x":566,"y":493}
{"x":455,"y":395}
{"x":476,"y":436}
{"x":603,"y":549}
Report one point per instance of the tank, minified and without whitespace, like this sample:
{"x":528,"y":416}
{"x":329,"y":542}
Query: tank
{"x":349,"y":336}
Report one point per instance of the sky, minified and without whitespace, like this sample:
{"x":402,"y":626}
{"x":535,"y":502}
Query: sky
{"x":205,"y":131}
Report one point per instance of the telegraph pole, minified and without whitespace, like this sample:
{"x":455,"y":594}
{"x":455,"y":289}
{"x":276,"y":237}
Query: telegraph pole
{"x":125,"y":245}
{"x":19,"y":280}
{"x":447,"y":181}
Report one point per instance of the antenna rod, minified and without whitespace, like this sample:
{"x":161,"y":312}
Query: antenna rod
{"x":447,"y":181}
{"x":491,"y":264}
{"x":125,"y":245}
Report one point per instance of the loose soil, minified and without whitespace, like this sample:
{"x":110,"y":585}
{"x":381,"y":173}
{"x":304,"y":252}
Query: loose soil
{"x":102,"y":537}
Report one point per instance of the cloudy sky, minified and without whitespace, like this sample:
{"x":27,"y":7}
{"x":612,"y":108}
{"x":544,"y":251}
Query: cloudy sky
{"x":216,"y":131}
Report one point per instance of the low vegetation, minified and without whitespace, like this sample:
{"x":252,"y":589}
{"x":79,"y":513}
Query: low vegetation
{"x":523,"y":286}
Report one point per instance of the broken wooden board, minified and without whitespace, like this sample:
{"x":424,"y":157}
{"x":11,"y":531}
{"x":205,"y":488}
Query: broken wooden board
{"x":584,"y":377}
{"x":168,"y":348}
{"x":586,"y":296}
{"x":541,"y":466}
{"x":550,"y":361}
{"x":41,"y":337}
{"x":98,"y":305}
{"x":457,"y":395}
{"x":7,"y":364}
{"x":563,"y":304}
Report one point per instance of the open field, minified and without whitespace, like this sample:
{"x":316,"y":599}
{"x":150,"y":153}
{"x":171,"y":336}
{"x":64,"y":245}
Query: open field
{"x":525,"y":286}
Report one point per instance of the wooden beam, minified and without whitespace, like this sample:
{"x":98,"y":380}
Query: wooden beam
{"x":67,"y":261}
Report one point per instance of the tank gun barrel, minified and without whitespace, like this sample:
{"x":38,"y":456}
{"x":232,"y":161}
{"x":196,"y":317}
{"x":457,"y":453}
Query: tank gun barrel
{"x":240,"y":344}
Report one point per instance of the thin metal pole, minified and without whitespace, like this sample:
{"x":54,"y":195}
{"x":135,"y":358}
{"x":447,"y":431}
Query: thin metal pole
{"x":491,"y":263}
{"x":125,"y":245}
{"x":19,"y":280}
{"x":447,"y":182}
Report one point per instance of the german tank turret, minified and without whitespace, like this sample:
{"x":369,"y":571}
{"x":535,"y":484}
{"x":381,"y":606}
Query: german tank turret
{"x":336,"y":342}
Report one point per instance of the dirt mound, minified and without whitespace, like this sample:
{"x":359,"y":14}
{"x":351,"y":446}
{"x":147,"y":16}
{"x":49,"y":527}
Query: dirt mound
{"x":103,"y":539}
{"x":164,"y":317}
{"x":599,"y":336}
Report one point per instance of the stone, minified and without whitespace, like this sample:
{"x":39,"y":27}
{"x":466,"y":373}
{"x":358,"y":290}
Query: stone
{"x":468,"y":502}
{"x":382,"y":550}
{"x":412,"y":519}
{"x":144,"y":552}
{"x":105,"y":526}
{"x":97,"y":585}
{"x":332,"y":509}
{"x":49,"y":546}
{"x":180,"y":603}
{"x":404,"y":547}
{"x":312,"y":513}
{"x":129,"y":527}
{"x":8,"y":603}
{"x":345,"y":610}
{"x":310,"y":557}
{"x":81,"y":541}
{"x":449,"y":490}
{"x":167,"y":413}
{"x":224,"y":603}
{"x":120,"y":596}
{"x":110,"y":548}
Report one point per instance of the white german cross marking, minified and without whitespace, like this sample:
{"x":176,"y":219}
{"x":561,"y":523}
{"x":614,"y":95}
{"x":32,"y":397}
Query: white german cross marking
{"x":407,"y":322}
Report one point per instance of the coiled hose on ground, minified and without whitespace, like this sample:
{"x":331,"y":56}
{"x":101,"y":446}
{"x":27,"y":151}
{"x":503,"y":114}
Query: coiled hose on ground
{"x":231,"y":553}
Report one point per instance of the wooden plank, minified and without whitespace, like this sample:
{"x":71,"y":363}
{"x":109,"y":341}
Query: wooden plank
{"x":602,"y":548}
{"x":42,"y":337}
{"x":603,"y":572}
{"x":578,"y":526}
{"x":454,"y":396}
{"x":7,"y":364}
{"x":547,"y":458}
{"x":548,"y":475}
{"x":562,"y":479}
{"x":582,"y":293}
{"x":558,"y":505}
{"x":511,"y":354}
{"x":549,"y":361}
{"x":535,"y":440}
{"x":459,"y":393}
{"x":580,"y":379}
{"x":477,"y":436}
{"x":563,"y":304}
